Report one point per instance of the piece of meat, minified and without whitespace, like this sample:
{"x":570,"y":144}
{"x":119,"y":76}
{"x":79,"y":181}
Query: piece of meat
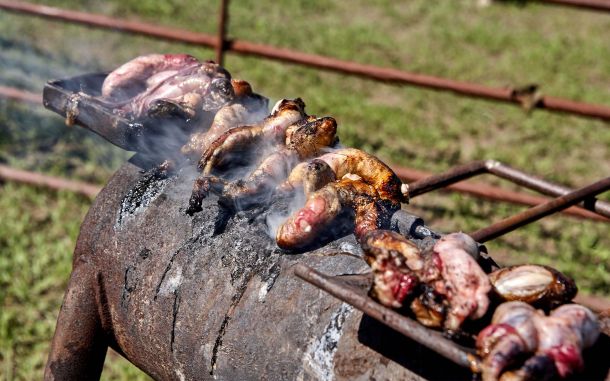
{"x":511,"y":336}
{"x":544,"y":345}
{"x":395,"y":261}
{"x":160,"y":85}
{"x":353,"y":161}
{"x":242,"y":138}
{"x":323,"y":207}
{"x":461,"y":281}
{"x":247,"y":108}
{"x":137,"y":75}
{"x":542,"y":286}
{"x":564,"y":334}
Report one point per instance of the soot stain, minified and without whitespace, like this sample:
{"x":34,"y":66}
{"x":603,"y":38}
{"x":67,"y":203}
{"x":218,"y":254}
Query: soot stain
{"x":149,"y":187}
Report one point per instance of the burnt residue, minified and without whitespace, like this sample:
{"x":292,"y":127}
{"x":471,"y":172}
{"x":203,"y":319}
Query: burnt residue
{"x":174,"y":317}
{"x":148,"y":187}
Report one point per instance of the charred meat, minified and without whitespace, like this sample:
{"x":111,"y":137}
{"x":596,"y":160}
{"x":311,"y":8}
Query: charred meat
{"x":246,"y":108}
{"x":325,"y":205}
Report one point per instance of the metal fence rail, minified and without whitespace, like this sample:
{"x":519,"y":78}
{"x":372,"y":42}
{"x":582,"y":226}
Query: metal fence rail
{"x":390,"y":75}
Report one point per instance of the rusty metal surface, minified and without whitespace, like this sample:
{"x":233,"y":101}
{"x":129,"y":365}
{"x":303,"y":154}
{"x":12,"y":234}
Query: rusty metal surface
{"x":389,"y":75}
{"x":466,"y":171}
{"x":181,"y":302}
{"x":37,"y":179}
{"x":20,"y":95}
{"x":596,"y":5}
{"x":533,"y":214}
{"x":223,"y":17}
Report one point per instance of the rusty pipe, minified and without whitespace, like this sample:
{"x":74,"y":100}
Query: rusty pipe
{"x":20,"y":95}
{"x":222,"y":31}
{"x":501,"y":170}
{"x":36,"y":179}
{"x":596,"y":5}
{"x":534,"y":214}
{"x":388,"y":75}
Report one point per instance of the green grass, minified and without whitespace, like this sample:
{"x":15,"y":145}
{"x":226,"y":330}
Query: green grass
{"x":563,"y":50}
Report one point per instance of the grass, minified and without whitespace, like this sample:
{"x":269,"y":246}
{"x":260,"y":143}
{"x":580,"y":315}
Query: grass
{"x":563,"y":50}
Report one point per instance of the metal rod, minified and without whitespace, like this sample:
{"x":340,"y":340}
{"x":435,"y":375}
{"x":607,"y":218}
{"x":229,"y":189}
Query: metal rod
{"x":20,"y":95}
{"x":494,"y":193}
{"x":222,"y":31}
{"x":56,"y":183}
{"x":388,"y":75}
{"x":496,"y":168}
{"x":406,"y":326}
{"x":598,"y":5}
{"x":533,"y":214}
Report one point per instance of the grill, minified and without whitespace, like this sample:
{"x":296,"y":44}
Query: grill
{"x":183,"y":302}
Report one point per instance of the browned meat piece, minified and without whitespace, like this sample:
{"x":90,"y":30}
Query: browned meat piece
{"x":304,"y":139}
{"x":538,"y":285}
{"x":286,"y":113}
{"x":353,"y":161}
{"x":247,"y":108}
{"x":551,"y":345}
{"x":324,"y":205}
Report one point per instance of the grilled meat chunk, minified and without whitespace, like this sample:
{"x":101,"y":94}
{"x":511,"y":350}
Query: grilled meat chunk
{"x":353,"y":161}
{"x":542,"y":286}
{"x":323,"y":207}
{"x":247,"y":108}
{"x":273,"y":128}
{"x":545,"y":346}
{"x":452,"y":286}
{"x":395,"y":262}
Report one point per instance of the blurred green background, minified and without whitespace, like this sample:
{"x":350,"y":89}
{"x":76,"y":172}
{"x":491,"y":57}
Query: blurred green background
{"x":506,"y":43}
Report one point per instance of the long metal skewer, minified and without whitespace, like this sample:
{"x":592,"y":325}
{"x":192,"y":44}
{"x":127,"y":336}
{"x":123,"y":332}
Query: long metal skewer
{"x":516,"y":176}
{"x":533,"y":214}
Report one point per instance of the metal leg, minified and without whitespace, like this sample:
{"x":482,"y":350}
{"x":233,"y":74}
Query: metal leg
{"x":79,"y":345}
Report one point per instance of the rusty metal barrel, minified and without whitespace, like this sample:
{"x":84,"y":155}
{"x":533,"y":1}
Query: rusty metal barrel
{"x":184,"y":300}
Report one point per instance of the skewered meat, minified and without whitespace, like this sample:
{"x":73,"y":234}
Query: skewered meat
{"x":452,"y":286}
{"x":538,"y":285}
{"x":157,"y":85}
{"x":247,"y":108}
{"x":325,"y":205}
{"x":302,"y":142}
{"x":553,"y":343}
{"x":461,"y":281}
{"x":286,"y":113}
{"x":395,"y":261}
{"x":232,"y":144}
{"x":353,"y":161}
